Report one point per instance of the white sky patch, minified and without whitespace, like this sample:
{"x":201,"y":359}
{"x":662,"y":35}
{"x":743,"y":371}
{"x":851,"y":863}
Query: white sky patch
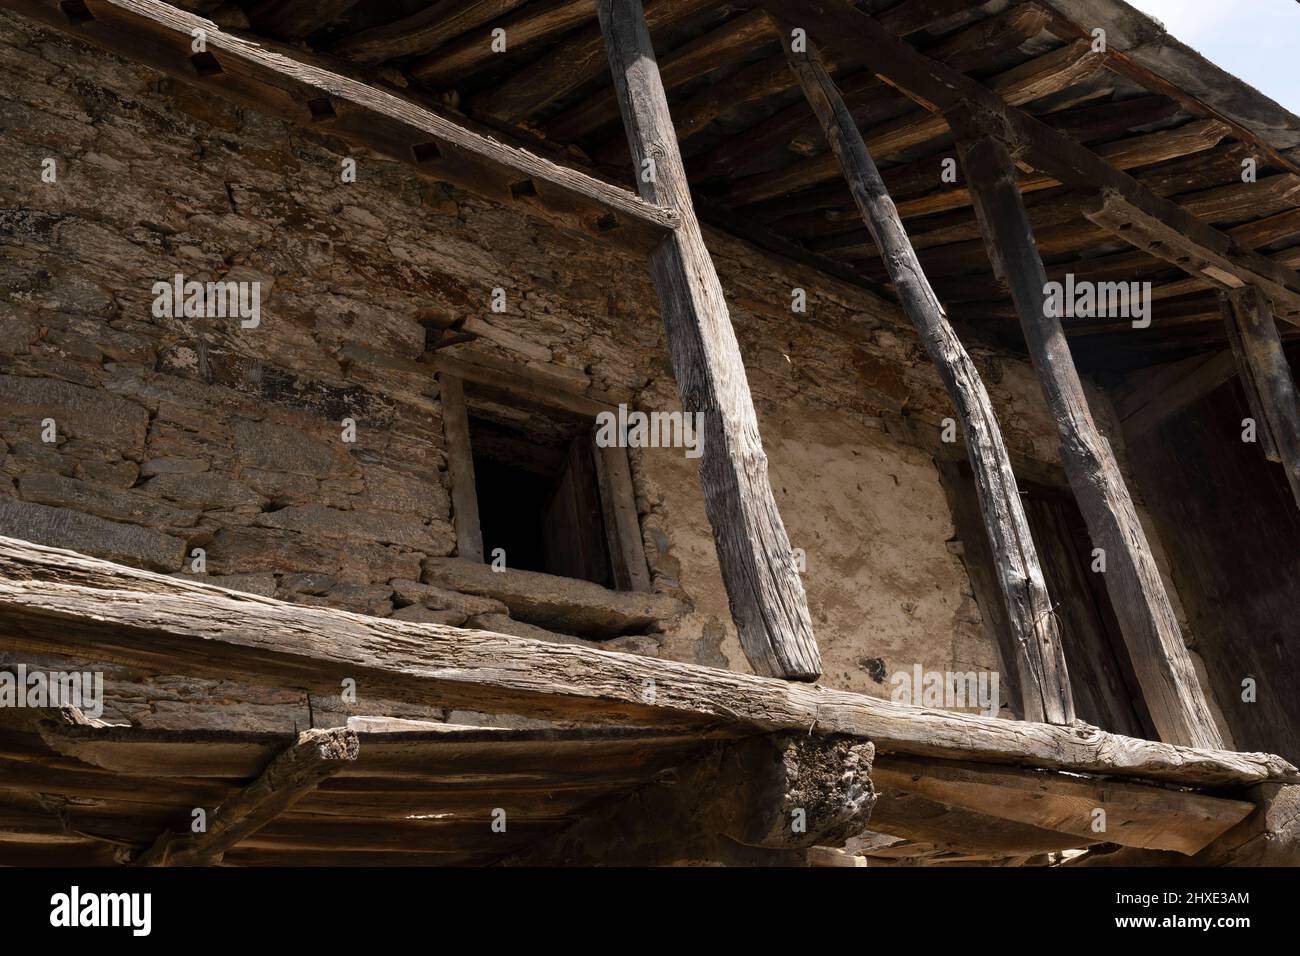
{"x":1256,"y":40}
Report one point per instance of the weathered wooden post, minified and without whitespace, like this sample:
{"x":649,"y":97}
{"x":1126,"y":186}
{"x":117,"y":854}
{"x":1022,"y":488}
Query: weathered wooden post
{"x":763,"y":587}
{"x":1160,"y":658}
{"x":1040,"y":663}
{"x":1266,"y":377}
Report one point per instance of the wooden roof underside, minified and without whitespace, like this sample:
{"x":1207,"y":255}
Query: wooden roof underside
{"x":760,"y":168}
{"x":946,"y":779}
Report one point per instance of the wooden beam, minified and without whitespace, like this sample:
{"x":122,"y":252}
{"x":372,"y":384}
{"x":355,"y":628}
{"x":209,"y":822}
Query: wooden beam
{"x":1135,"y":814}
{"x":1270,"y":836}
{"x":1266,"y":372}
{"x":573,"y":63}
{"x":1040,"y":660}
{"x":159,"y":35}
{"x":865,"y":90}
{"x":1161,"y":392}
{"x":1160,"y":658}
{"x":831,"y":23}
{"x":316,"y":756}
{"x":1029,"y":81}
{"x":622,"y":525}
{"x":692,"y":61}
{"x":1246,"y":376}
{"x":294,"y":19}
{"x":422,"y":31}
{"x":460,"y":467}
{"x":535,"y":23}
{"x":763,"y":586}
{"x":54,"y":601}
{"x":748,"y":802}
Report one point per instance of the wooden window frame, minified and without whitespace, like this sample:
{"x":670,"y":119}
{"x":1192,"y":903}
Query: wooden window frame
{"x":627,"y":558}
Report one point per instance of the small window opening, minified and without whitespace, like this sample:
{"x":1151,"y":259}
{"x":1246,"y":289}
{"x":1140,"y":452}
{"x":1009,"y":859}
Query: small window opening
{"x":538,"y":497}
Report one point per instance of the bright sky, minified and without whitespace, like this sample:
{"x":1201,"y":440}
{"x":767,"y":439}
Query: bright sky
{"x":1256,"y":40}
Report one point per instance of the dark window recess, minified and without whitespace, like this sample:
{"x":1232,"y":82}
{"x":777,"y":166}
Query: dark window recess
{"x":538,"y":499}
{"x":1102,"y":680}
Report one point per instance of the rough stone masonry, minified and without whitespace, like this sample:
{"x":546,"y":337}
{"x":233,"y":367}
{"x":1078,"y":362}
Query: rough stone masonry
{"x":175,"y":434}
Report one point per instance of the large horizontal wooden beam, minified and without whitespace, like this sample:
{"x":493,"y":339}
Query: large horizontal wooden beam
{"x":161,"y":36}
{"x":841,"y":26}
{"x":57,"y":601}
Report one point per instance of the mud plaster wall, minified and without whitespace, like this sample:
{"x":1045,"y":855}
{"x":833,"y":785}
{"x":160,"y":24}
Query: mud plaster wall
{"x":175,"y":434}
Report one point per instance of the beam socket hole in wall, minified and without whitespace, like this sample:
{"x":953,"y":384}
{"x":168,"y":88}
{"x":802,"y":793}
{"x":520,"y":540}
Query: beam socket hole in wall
{"x":321,"y":108}
{"x":426,"y":152}
{"x":523,"y":189}
{"x":75,"y":11}
{"x":1125,"y":226}
{"x":205,"y":64}
{"x":607,"y":222}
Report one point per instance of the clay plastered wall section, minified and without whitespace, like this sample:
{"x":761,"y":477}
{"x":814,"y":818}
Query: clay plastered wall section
{"x":176,"y":434}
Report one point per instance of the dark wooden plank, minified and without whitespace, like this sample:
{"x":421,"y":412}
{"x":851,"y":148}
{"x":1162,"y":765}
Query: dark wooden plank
{"x":535,"y":23}
{"x":1040,"y":660}
{"x":574,"y":62}
{"x":294,"y":19}
{"x":1228,"y":522}
{"x":460,"y":467}
{"x":1161,"y":392}
{"x":622,"y":525}
{"x":690,"y":62}
{"x":425,"y":30}
{"x":763,"y":586}
{"x":1246,"y":378}
{"x":1271,"y":377}
{"x":1164,"y":668}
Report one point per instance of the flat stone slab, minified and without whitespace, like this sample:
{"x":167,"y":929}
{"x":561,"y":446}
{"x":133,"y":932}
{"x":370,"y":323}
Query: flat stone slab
{"x":559,"y":604}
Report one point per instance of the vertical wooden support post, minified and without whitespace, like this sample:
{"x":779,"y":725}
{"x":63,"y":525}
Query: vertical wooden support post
{"x":460,"y":464}
{"x":1040,"y":660}
{"x":1267,"y":379}
{"x":1160,"y":658}
{"x":763,"y":587}
{"x":622,"y":527}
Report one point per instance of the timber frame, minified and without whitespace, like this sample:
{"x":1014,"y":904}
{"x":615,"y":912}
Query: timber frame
{"x":613,"y":472}
{"x":758,"y":750}
{"x":1028,"y":786}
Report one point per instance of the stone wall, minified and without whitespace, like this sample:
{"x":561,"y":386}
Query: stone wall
{"x":172,"y":435}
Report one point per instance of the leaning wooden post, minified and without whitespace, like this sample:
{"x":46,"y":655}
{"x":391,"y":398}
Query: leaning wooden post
{"x":1267,"y":379}
{"x":763,"y":587}
{"x":1040,"y":662}
{"x":1160,"y":658}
